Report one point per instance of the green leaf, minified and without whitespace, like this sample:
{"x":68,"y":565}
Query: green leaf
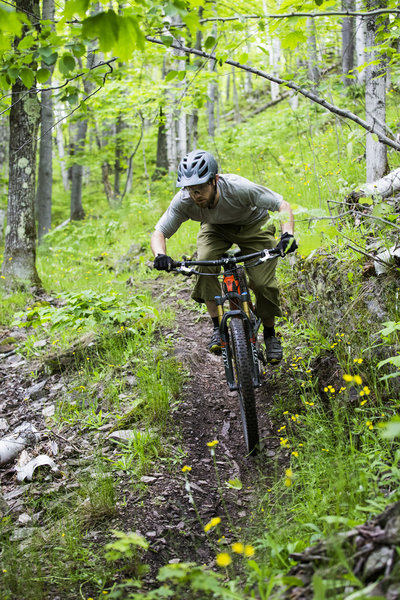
{"x":27,"y":42}
{"x":391,"y":429}
{"x":392,"y":360}
{"x":130,"y":37}
{"x":294,"y":39}
{"x":367,"y":201}
{"x":310,"y":242}
{"x":42,"y":75}
{"x":13,"y":73}
{"x":73,"y":7}
{"x":103,"y":26}
{"x":265,"y":50}
{"x":210,"y":42}
{"x":381,"y":209}
{"x":50,"y":60}
{"x":170,"y":75}
{"x":236,"y":484}
{"x":66,"y":64}
{"x":167,"y":40}
{"x":243,"y":58}
{"x":27,"y":76}
{"x":78,"y":50}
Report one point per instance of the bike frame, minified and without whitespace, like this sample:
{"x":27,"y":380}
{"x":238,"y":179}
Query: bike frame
{"x":240,"y":304}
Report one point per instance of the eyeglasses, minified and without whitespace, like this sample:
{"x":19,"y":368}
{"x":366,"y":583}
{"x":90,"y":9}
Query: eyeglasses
{"x":196,"y":191}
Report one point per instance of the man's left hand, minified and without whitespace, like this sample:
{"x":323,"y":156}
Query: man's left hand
{"x":286,"y":244}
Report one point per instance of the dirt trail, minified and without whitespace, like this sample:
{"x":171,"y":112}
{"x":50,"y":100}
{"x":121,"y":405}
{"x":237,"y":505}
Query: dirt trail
{"x":207,"y":411}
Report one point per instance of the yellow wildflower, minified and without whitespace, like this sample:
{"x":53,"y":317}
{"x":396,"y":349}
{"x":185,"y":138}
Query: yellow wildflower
{"x":213,"y":523}
{"x":357,"y":379}
{"x":238,"y":547}
{"x":212,"y":444}
{"x":249,"y":550}
{"x":223,"y":559}
{"x":186,"y":468}
{"x":348,"y":377}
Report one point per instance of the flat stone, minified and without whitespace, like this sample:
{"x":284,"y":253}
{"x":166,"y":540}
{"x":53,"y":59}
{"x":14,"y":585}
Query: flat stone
{"x":22,"y":534}
{"x":377,"y":561}
{"x":36,"y":392}
{"x":147,"y":479}
{"x":24,"y":518}
{"x":49,"y":410}
{"x":4,"y":426}
{"x":122,"y":435}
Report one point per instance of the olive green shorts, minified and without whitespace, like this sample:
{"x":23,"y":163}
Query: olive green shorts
{"x":214,"y":240}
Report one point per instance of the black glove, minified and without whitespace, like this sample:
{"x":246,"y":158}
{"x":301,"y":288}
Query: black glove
{"x":287,"y":244}
{"x":162,"y":262}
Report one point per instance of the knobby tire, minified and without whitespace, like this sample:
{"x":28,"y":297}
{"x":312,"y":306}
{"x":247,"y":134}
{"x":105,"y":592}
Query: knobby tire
{"x":244,"y":378}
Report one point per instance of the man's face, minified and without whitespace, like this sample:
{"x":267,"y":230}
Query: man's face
{"x":203,"y":195}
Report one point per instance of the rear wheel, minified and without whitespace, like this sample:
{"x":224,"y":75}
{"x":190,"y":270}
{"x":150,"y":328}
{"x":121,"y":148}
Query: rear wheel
{"x":243,"y":367}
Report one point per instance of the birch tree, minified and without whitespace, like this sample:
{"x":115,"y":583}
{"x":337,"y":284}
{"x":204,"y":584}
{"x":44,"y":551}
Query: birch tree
{"x":375,"y":97}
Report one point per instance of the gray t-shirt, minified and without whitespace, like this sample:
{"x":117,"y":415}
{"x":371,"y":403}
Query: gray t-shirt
{"x":241,"y":202}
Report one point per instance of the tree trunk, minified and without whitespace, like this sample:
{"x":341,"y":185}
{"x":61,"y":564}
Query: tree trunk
{"x":77,"y":211}
{"x":4,"y":143}
{"x":162,"y":156}
{"x":312,"y":54}
{"x":348,"y":44}
{"x":19,"y":266}
{"x":235,"y":97}
{"x":360,"y":41}
{"x":375,"y":98}
{"x":212,"y":99}
{"x":119,"y":127}
{"x":45,"y":172}
{"x":175,"y":120}
{"x":61,"y":149}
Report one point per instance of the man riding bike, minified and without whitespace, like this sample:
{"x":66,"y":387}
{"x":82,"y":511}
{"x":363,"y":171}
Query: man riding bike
{"x":231,"y":210}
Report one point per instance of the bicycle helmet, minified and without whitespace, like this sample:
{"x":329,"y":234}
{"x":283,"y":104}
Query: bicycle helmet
{"x":196,"y":167}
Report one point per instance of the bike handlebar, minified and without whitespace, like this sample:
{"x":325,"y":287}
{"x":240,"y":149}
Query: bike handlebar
{"x":263,"y":256}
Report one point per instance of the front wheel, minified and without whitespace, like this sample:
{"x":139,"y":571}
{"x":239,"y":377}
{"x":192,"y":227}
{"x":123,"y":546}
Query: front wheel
{"x":243,"y":369}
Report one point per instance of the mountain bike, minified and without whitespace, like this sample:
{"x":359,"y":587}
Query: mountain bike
{"x":238,"y":326}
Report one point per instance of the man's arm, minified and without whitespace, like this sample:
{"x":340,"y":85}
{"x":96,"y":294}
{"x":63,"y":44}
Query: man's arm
{"x":287,"y":226}
{"x":158,"y":243}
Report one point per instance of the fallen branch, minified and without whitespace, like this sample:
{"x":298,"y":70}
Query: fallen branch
{"x":14,"y":443}
{"x":384,"y":187}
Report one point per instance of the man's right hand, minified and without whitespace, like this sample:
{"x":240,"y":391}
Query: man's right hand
{"x":162,"y":262}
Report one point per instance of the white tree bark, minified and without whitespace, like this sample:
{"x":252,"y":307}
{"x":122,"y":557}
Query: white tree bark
{"x":61,"y":156}
{"x":383,"y":188}
{"x":360,"y":41}
{"x":175,"y":119}
{"x":375,"y":100}
{"x":212,"y":94}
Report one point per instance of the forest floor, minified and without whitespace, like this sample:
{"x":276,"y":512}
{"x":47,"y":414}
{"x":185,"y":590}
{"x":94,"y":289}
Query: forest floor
{"x":158,"y":506}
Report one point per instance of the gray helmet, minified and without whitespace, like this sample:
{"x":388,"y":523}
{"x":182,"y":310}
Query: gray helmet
{"x":196,"y":167}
